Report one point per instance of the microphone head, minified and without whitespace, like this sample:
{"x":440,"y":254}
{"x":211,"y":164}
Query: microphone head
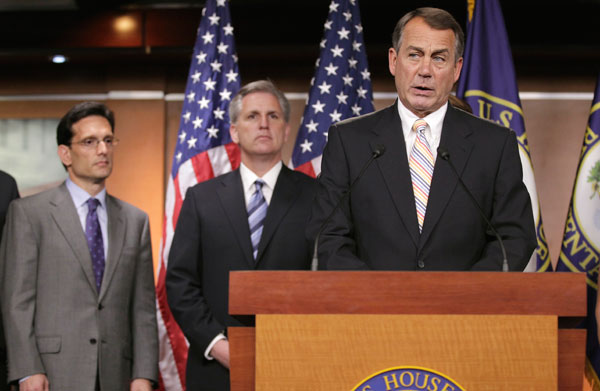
{"x":379,"y":150}
{"x":443,"y":152}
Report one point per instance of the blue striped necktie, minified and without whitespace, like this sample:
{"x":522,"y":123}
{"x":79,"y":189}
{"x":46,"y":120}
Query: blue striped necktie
{"x":421,"y":170}
{"x":257,"y":211}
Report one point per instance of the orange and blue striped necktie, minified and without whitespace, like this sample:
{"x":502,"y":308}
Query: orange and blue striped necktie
{"x":421,"y":170}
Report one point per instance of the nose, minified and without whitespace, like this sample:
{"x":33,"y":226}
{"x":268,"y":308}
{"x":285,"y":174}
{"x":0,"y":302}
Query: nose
{"x":264,"y":121}
{"x":102,"y":147}
{"x":425,"y":67}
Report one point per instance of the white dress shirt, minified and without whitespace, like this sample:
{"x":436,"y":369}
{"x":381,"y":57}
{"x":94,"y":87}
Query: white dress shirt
{"x":433,"y":133}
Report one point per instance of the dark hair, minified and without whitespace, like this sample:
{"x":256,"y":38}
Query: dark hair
{"x":64,"y":130}
{"x":235,"y":106}
{"x":437,"y":19}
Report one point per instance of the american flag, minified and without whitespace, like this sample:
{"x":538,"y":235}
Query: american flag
{"x":341,"y":87}
{"x":204,"y":150}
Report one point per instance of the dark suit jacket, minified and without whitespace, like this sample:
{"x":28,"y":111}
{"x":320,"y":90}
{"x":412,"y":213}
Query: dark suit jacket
{"x":211,"y":239}
{"x":377,"y":228}
{"x":8,"y":192}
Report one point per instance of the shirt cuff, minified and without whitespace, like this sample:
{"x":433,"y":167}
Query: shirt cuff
{"x":212,"y":344}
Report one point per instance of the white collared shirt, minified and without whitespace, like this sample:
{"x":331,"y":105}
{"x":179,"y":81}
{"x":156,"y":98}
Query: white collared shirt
{"x":433,"y":133}
{"x":80,"y":198}
{"x":270,"y":179}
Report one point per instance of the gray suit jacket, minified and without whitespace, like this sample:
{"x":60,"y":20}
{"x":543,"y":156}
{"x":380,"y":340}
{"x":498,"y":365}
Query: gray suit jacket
{"x":55,"y":320}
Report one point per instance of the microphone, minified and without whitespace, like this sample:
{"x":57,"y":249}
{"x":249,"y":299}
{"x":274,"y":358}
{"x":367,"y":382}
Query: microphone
{"x":377,"y":152}
{"x":445,"y":155}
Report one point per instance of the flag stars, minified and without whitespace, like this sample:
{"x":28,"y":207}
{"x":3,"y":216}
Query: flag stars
{"x":219,"y":114}
{"x":216,"y":66}
{"x":328,"y":25}
{"x":178,"y":157}
{"x":196,"y":77}
{"x":352,"y":62}
{"x":333,"y":7}
{"x":191,"y":96}
{"x":225,"y":94}
{"x":324,"y":87}
{"x":235,"y":58}
{"x":222,"y":48}
{"x":359,"y":28}
{"x":197,"y":123}
{"x":318,"y":106}
{"x":356,"y":46}
{"x":347,"y":15}
{"x":192,"y":142}
{"x":231,"y":76}
{"x":331,"y":69}
{"x":221,"y":3}
{"x":323,"y":43}
{"x":343,"y":33}
{"x":228,"y":29}
{"x":212,"y":131}
{"x":182,"y":136}
{"x":306,"y":146}
{"x":356,"y":109}
{"x":337,"y":51}
{"x":210,"y":84}
{"x":204,"y":102}
{"x":341,"y":97}
{"x":335,"y":116}
{"x":186,"y":118}
{"x":312,"y":126}
{"x":214,"y":19}
{"x":208,"y":37}
{"x":366,"y":75}
{"x":347,"y":79}
{"x":362,"y":92}
{"x":201,"y":57}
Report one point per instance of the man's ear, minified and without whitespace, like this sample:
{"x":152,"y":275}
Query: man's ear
{"x":234,"y":134}
{"x":64,"y":153}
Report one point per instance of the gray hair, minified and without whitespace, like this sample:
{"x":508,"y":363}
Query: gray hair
{"x":235,"y":106}
{"x":437,"y":19}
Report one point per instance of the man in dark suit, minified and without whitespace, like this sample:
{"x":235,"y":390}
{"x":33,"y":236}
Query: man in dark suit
{"x":249,"y":219}
{"x":408,"y":211}
{"x":78,"y":288}
{"x":8,"y":192}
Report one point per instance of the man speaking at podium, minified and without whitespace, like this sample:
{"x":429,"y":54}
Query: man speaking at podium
{"x":409,"y":210}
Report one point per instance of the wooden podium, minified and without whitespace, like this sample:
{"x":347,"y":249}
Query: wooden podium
{"x":332,"y":330}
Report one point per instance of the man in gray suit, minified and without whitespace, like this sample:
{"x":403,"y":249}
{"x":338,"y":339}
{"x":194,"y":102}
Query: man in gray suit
{"x":78,"y":290}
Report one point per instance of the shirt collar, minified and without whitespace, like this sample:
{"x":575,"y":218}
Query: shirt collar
{"x":270,"y":178}
{"x":81,"y":196}
{"x":434,"y":120}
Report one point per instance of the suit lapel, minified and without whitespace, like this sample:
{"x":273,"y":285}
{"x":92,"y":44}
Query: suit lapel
{"x":116,"y":236}
{"x":65,"y":215}
{"x":284,"y":196}
{"x":455,"y":137}
{"x":231,"y":195}
{"x":394,"y":168}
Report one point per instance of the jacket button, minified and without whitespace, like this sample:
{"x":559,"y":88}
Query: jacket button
{"x":421,"y":264}
{"x":93,"y":341}
{"x":100,"y":306}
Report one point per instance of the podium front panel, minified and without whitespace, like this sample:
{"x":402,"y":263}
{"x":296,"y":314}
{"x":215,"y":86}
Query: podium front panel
{"x":340,"y":352}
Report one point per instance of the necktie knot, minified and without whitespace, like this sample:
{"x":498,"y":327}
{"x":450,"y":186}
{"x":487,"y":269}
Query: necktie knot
{"x":259,"y":184}
{"x":92,"y":204}
{"x":419,"y":126}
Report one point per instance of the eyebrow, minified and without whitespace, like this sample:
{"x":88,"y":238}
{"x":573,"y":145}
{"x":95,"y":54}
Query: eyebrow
{"x":439,"y":51}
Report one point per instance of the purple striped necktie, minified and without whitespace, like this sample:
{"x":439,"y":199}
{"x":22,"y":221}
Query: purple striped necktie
{"x":93,"y":234}
{"x":257,"y":212}
{"x":421,"y":170}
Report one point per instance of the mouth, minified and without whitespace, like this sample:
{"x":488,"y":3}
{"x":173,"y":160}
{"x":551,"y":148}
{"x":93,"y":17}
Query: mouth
{"x":423,"y":90}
